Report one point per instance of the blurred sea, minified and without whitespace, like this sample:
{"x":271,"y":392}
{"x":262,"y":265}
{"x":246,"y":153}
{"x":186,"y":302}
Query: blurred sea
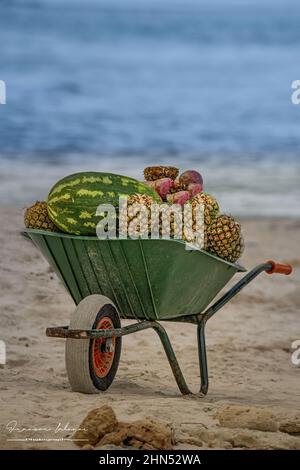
{"x":117,"y":85}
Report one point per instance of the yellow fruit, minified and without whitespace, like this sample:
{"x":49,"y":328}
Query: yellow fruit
{"x":37,"y":217}
{"x":138,"y":221}
{"x":152,"y":173}
{"x":224,"y":238}
{"x":205,"y":209}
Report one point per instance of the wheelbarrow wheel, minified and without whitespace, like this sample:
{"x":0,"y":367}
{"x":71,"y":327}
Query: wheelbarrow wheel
{"x":92,"y":364}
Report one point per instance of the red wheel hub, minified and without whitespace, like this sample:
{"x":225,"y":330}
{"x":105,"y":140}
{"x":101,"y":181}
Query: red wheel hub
{"x":102,"y":358}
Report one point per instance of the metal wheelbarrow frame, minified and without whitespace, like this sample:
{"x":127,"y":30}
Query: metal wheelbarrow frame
{"x":102,"y":342}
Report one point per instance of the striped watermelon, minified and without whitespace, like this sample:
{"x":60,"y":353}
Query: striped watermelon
{"x":73,"y":201}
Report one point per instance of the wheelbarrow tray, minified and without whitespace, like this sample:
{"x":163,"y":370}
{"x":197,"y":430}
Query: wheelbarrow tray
{"x":146,"y":279}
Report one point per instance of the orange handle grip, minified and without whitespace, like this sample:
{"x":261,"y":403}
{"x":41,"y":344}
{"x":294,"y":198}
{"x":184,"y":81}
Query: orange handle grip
{"x":279,"y":268}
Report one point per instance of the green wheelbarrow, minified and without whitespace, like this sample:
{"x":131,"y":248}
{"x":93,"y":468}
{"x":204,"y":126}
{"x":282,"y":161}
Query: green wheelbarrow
{"x":144,"y":280}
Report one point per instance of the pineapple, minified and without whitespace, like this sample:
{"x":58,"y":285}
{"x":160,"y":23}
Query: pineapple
{"x":170,"y":222}
{"x":224,"y":238}
{"x":37,"y":217}
{"x":210,"y":208}
{"x":152,"y":173}
{"x":138,"y":223}
{"x":143,"y":223}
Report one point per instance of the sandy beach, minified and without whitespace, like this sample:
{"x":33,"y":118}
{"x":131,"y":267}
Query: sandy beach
{"x":249,"y":354}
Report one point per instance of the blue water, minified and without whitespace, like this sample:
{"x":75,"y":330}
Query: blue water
{"x":121,"y":84}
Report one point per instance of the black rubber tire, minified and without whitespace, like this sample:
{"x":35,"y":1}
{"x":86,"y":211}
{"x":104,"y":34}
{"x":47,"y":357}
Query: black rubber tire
{"x":102,"y":383}
{"x":79,"y":358}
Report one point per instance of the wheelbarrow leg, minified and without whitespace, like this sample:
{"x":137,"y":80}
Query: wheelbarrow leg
{"x":202,"y":357}
{"x":182,"y":385}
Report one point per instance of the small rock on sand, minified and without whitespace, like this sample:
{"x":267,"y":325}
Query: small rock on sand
{"x":100,"y":427}
{"x":95,"y":425}
{"x":236,"y":416}
{"x":141,"y":434}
